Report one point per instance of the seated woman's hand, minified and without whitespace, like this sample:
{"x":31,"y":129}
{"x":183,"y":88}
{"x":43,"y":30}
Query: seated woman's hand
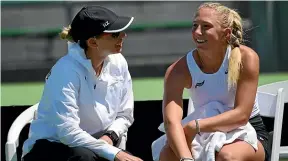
{"x":190,"y":131}
{"x":123,"y":156}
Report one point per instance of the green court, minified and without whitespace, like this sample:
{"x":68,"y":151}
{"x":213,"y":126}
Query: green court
{"x":144,"y":89}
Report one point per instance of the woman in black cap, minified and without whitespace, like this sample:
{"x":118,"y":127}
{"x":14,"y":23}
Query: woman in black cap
{"x":87,"y":103}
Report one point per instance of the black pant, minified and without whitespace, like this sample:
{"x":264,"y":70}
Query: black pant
{"x":262,"y":134}
{"x":44,"y":150}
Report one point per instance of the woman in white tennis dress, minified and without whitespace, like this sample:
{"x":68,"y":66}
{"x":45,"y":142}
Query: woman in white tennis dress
{"x":222,"y":78}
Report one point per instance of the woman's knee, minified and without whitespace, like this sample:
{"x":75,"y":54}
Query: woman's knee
{"x":83,"y":154}
{"x":226,"y":156}
{"x":240,"y":151}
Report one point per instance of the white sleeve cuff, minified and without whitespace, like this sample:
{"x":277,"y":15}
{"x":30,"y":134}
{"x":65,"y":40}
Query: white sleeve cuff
{"x":110,"y":152}
{"x":119,"y":126}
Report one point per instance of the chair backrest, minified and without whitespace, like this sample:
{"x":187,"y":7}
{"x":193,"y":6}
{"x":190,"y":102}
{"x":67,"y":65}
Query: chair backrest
{"x":272,"y":88}
{"x":272,"y":105}
{"x":190,"y":107}
{"x":13,"y":135}
{"x":267,"y":103}
{"x":268,"y":110}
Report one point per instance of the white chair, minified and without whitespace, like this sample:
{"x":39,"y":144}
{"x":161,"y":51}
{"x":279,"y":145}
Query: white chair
{"x":17,"y":126}
{"x":273,"y":89}
{"x":13,"y":134}
{"x":272,"y":105}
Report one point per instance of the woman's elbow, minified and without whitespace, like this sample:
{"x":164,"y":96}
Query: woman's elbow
{"x":243,"y":118}
{"x":244,"y":121}
{"x":168,"y":124}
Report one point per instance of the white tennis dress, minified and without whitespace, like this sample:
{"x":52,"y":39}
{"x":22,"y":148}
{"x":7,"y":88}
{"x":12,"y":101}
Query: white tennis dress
{"x":211,"y":96}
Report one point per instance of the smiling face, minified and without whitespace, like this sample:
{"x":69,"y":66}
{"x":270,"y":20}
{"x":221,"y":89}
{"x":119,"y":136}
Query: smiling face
{"x":207,"y":32}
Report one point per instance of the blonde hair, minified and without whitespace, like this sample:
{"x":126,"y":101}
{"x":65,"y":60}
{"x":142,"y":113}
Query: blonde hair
{"x":230,"y":19}
{"x":65,"y":34}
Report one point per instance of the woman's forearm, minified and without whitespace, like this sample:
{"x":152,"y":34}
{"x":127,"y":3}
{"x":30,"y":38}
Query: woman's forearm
{"x":177,"y":140}
{"x":225,"y":122}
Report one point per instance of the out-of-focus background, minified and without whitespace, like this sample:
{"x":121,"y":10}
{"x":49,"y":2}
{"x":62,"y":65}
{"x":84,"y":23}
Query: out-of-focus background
{"x":160,"y":34}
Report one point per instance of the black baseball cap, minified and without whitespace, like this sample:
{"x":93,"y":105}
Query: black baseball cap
{"x":93,"y":20}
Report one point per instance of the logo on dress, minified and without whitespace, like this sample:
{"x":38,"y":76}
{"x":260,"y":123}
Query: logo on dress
{"x":200,"y":84}
{"x":226,"y":71}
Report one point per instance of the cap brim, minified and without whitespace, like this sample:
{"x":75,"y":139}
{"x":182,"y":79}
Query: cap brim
{"x":120,"y":24}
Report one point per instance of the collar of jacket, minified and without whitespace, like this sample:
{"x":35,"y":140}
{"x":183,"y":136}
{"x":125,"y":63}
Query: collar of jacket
{"x":76,"y":52}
